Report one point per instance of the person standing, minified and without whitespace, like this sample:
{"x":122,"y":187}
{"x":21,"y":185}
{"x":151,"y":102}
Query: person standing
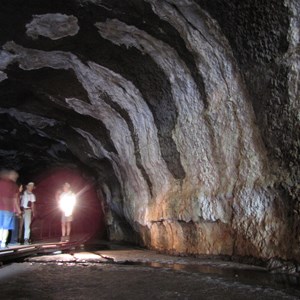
{"x":67,"y":201}
{"x":28,"y":200}
{"x":15,"y":233}
{"x":9,"y":204}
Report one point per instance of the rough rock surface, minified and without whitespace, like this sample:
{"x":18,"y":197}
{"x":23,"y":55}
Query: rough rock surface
{"x":53,"y":26}
{"x":187,"y":113}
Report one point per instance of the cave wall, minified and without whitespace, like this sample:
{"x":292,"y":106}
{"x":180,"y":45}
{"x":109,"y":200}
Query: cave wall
{"x":186,"y":111}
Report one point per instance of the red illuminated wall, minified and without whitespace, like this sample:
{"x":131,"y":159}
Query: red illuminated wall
{"x":88,"y":215}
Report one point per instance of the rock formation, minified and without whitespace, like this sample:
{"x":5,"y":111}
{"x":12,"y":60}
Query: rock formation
{"x":186,"y":112}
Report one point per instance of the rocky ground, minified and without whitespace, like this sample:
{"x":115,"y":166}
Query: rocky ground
{"x":133,"y":273}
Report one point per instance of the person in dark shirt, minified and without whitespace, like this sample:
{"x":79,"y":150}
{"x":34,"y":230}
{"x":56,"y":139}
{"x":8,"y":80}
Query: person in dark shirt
{"x":9,"y":204}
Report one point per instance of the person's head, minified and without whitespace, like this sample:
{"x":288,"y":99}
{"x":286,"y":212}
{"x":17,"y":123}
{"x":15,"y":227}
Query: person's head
{"x":30,"y":186}
{"x":66,"y":187}
{"x":12,"y":175}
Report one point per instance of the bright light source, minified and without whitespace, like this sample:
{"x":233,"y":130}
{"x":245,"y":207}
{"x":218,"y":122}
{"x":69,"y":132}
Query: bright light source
{"x":67,"y":203}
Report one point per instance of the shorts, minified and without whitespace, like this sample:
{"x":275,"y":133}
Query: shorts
{"x":65,"y":219}
{"x":7,"y":220}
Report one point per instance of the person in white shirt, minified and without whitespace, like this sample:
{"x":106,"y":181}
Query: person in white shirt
{"x":28,"y":200}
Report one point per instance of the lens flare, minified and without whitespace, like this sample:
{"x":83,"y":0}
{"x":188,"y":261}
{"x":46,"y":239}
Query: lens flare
{"x":67,"y":203}
{"x":88,"y":213}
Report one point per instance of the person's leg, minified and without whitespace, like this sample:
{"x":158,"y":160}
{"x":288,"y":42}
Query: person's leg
{"x":4,"y":237}
{"x":15,"y":231}
{"x":63,"y":228}
{"x":27,"y":221}
{"x":69,"y":228}
{"x":21,"y":224}
{"x":7,"y":223}
{"x":63,"y":231}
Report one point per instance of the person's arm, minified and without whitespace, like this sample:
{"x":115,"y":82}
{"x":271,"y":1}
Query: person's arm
{"x":17,"y":205}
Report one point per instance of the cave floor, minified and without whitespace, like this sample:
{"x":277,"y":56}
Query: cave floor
{"x":123,"y":272}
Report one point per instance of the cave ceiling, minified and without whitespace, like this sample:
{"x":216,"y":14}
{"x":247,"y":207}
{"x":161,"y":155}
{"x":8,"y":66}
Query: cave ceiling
{"x":35,"y":98}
